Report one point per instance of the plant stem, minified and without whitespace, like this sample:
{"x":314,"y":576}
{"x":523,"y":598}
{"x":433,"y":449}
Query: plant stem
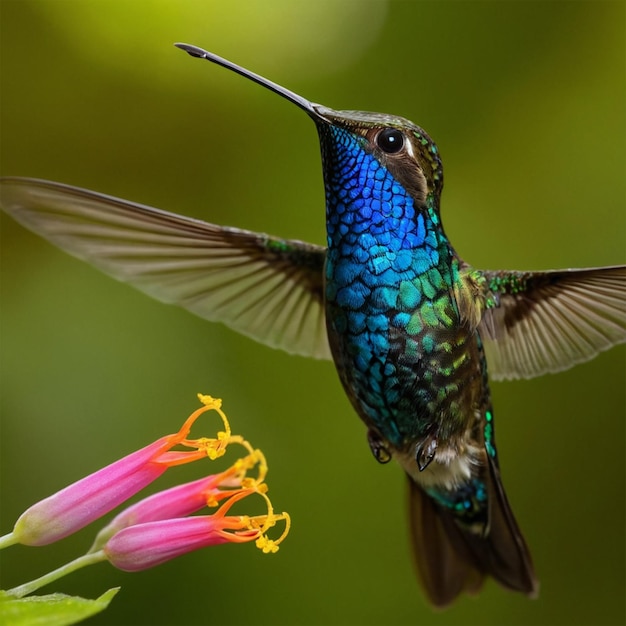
{"x":7,"y":540}
{"x":81,"y":561}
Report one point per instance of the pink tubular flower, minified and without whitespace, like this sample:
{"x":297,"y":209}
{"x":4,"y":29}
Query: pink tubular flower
{"x":145,"y":545}
{"x":178,"y":501}
{"x":86,"y":500}
{"x":161,"y":526}
{"x":154,"y":530}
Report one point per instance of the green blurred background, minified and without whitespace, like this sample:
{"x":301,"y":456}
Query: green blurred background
{"x":526,"y":101}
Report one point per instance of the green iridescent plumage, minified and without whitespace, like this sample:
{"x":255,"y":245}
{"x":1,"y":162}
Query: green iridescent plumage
{"x":415,"y":332}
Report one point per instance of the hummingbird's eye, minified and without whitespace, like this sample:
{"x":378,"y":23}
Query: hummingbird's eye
{"x":390,"y":140}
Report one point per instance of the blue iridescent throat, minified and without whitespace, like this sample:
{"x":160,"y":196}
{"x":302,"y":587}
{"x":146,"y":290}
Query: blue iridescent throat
{"x":385,"y":260}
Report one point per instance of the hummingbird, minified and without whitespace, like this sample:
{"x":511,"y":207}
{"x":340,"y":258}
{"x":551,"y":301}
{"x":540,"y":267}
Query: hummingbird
{"x":415,"y":332}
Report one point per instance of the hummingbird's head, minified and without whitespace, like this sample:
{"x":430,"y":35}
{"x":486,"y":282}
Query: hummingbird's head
{"x":396,"y":145}
{"x":402,"y":148}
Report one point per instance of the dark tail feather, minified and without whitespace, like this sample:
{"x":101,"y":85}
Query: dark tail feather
{"x":444,"y":574}
{"x":451,"y":559}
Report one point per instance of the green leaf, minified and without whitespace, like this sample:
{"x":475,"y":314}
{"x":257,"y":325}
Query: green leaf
{"x":55,"y":609}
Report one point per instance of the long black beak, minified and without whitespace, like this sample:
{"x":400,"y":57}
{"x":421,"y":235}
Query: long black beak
{"x":299,"y":101}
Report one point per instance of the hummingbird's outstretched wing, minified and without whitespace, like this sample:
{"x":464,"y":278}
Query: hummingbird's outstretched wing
{"x":549,"y":321}
{"x":267,"y":288}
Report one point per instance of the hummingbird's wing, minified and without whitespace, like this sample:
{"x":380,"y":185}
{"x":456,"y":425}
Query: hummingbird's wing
{"x":267,"y":288}
{"x":549,"y":321}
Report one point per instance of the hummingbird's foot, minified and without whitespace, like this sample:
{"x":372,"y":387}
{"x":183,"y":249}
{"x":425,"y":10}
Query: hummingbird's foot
{"x":377,"y":446}
{"x":425,"y":450}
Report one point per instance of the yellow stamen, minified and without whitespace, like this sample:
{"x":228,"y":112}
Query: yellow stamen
{"x":209,"y":401}
{"x":263,"y":523}
{"x":243,"y":485}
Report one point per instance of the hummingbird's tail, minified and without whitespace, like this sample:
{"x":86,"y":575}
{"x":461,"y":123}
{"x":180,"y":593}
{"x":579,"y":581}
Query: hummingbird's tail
{"x":450,"y":558}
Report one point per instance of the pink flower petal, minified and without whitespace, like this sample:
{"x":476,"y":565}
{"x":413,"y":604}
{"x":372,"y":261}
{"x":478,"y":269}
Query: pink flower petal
{"x":146,"y":545}
{"x":178,"y":501}
{"x":91,"y":497}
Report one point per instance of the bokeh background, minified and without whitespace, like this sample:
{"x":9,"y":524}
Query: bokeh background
{"x":526,"y":101}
